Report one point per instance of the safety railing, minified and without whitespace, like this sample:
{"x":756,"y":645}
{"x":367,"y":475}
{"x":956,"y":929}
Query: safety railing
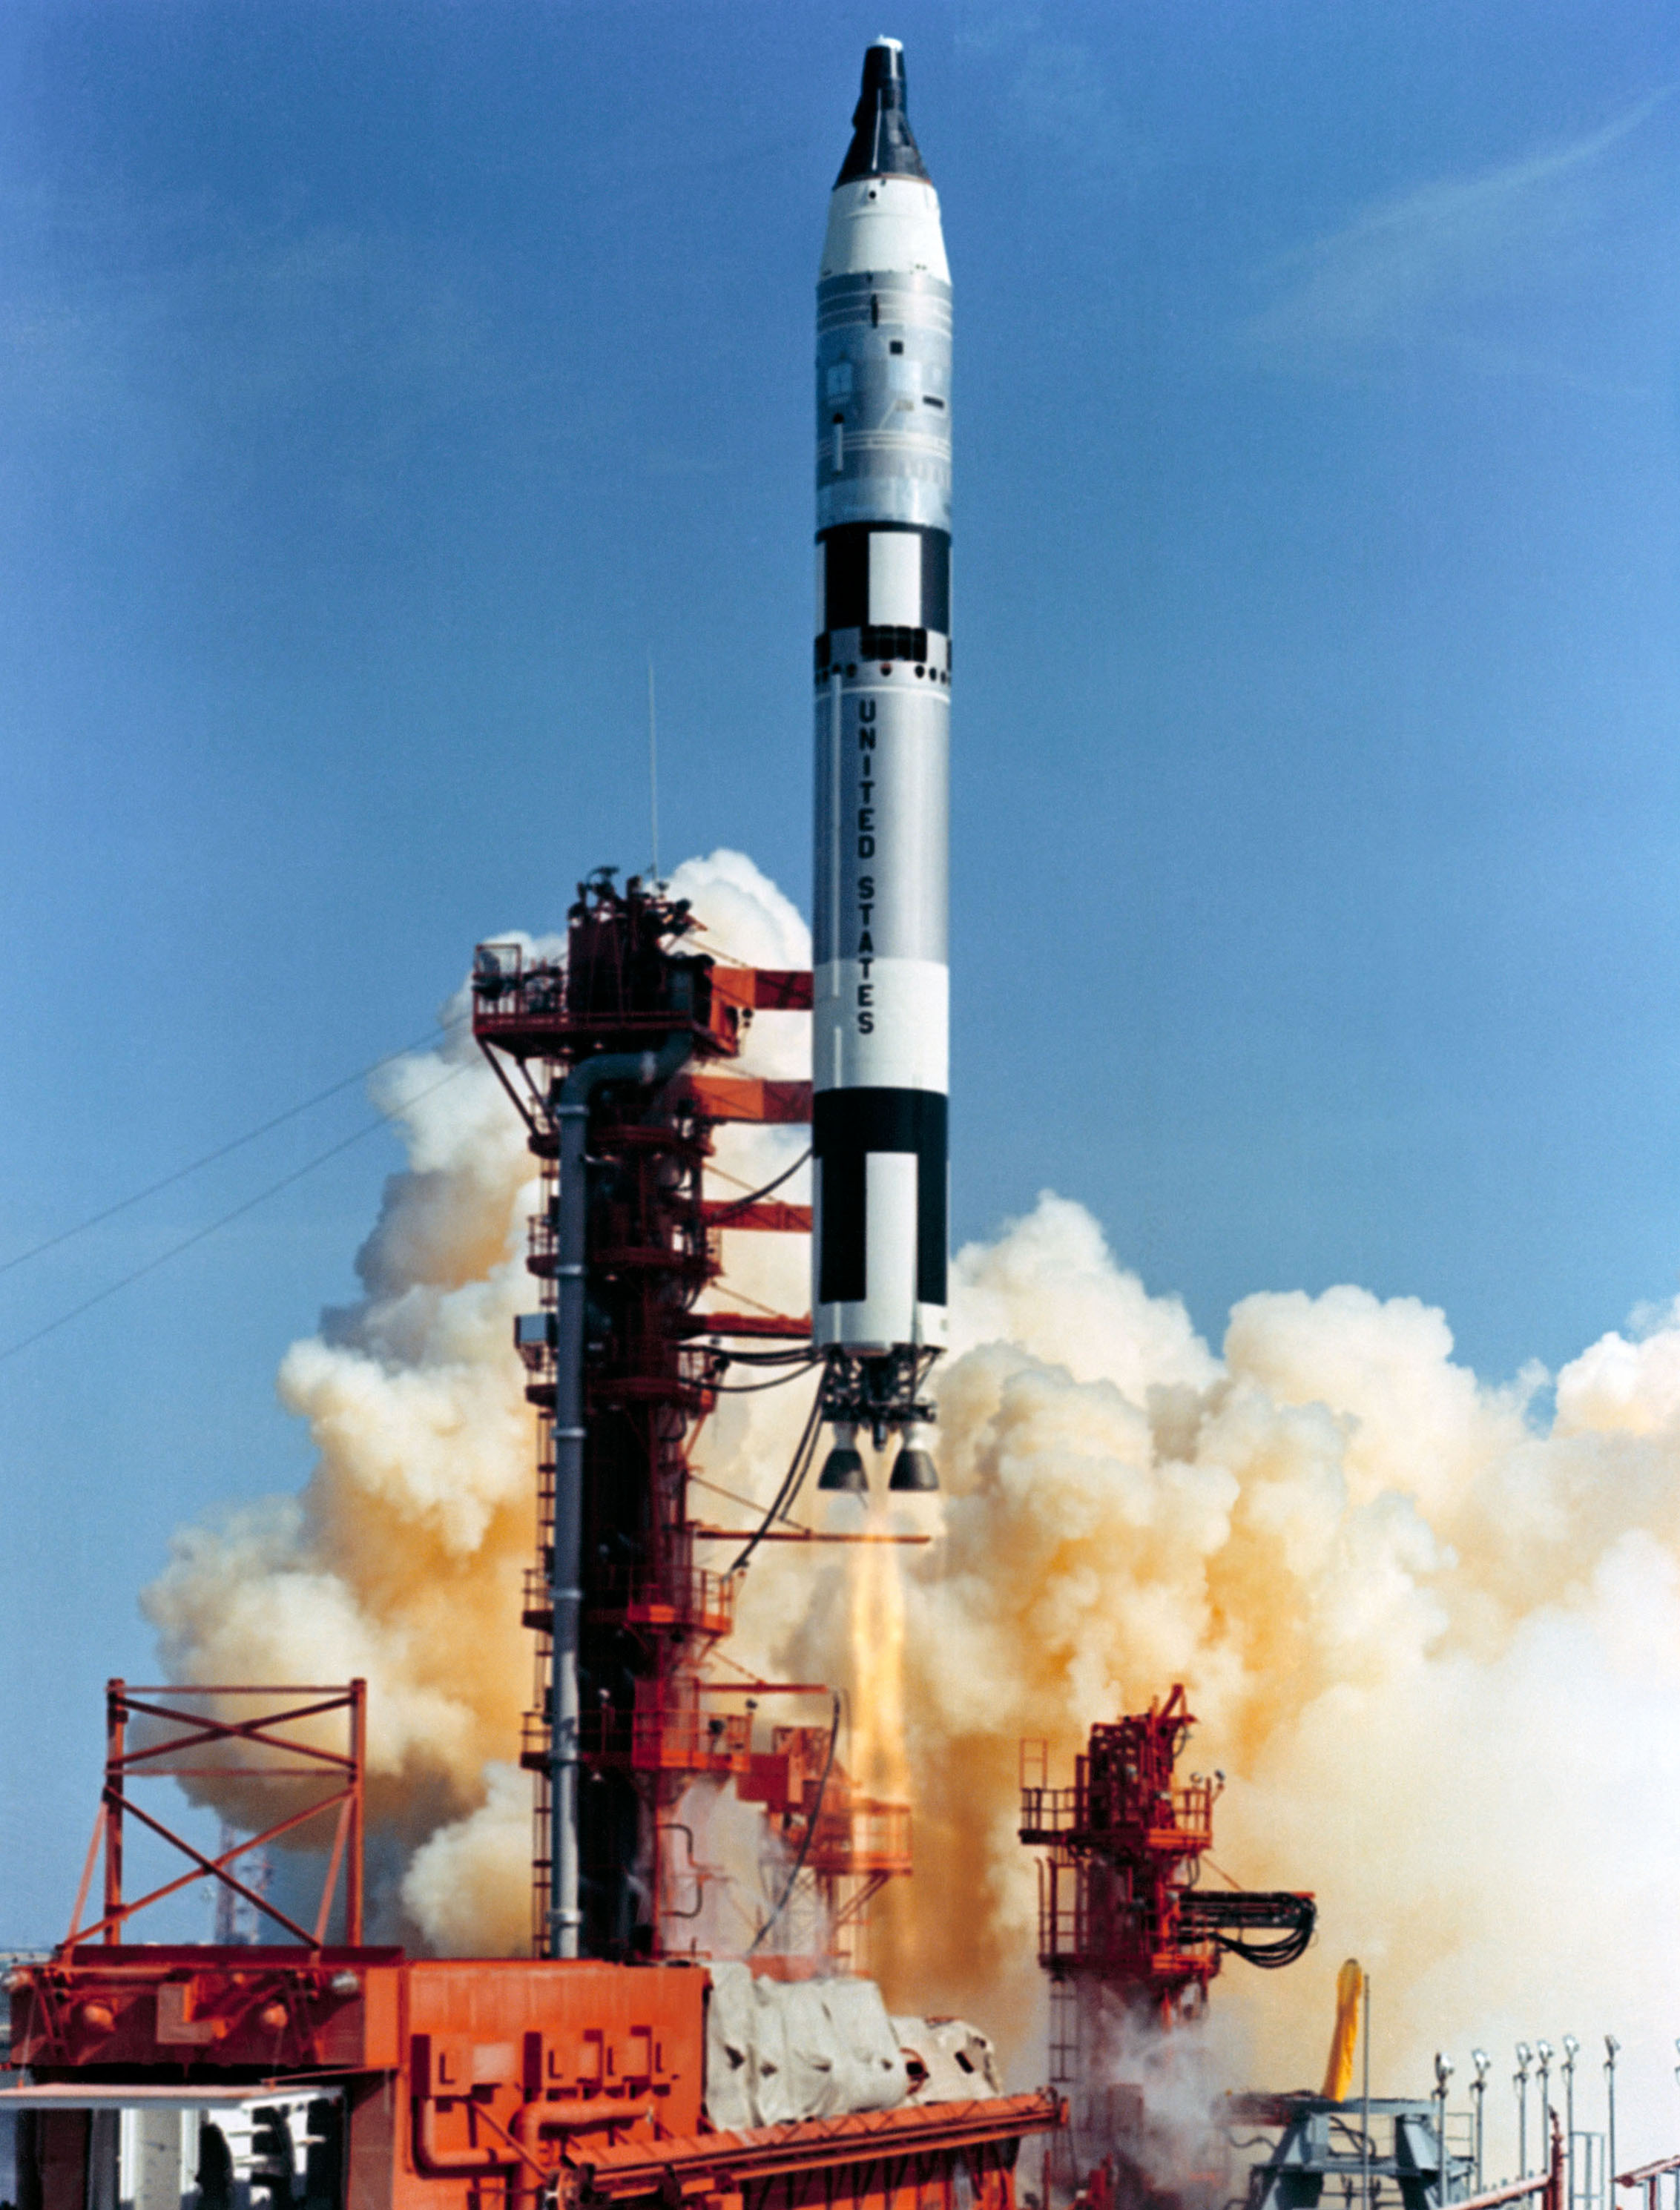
{"x":691,"y":1598}
{"x":870,"y":1836}
{"x":1048,"y":1810}
{"x":1650,"y":2177}
{"x":689,"y":1741}
{"x":650,"y":1740}
{"x":1183,"y":1816}
{"x":1547,"y":2184}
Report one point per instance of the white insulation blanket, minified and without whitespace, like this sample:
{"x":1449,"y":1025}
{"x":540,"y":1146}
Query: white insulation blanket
{"x":808,"y":2048}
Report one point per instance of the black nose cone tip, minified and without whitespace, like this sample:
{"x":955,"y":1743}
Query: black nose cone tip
{"x":883,"y":143}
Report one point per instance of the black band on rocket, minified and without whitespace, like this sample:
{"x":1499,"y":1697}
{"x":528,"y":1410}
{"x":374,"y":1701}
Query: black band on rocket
{"x":847,"y":1126}
{"x":915,"y":594}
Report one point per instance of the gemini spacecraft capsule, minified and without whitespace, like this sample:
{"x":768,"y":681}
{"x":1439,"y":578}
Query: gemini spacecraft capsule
{"x":881,"y":1017}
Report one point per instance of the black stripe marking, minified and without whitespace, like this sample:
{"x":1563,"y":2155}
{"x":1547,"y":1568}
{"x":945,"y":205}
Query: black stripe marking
{"x":847,"y":1126}
{"x":936,"y":581}
{"x":846,"y":574}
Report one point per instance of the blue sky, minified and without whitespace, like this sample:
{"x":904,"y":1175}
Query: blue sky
{"x":379,"y":386}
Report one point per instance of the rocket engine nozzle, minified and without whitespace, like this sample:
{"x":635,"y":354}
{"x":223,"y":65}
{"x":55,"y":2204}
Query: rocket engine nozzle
{"x":881,"y":1395}
{"x":913,"y":1472}
{"x":842,"y":1469}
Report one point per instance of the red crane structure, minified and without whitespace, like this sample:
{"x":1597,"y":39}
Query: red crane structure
{"x":1129,"y":1939}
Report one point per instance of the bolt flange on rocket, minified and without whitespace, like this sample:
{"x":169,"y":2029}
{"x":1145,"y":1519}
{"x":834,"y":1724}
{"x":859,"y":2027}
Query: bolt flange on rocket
{"x":881,"y":1019}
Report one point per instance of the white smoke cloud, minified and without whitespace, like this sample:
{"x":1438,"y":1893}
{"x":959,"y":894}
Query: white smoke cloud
{"x":401,"y":1561}
{"x":1437,"y":1651}
{"x":1432,"y":1636}
{"x":469,"y":1883}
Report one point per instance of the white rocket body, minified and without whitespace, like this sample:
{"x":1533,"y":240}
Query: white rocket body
{"x":883,"y":705}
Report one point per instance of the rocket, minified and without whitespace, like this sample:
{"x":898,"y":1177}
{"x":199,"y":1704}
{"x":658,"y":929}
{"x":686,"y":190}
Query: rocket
{"x":881,"y":1020}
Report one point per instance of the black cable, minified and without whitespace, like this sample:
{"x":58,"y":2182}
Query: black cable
{"x":1273,"y":1956}
{"x":753,"y":1388}
{"x":792,"y":1481}
{"x":1231,"y":1922}
{"x":795,"y":1362}
{"x":238,"y":1213}
{"x":222,"y":1150}
{"x":810,"y":1829}
{"x":740,"y":1204}
{"x":794,"y":1354}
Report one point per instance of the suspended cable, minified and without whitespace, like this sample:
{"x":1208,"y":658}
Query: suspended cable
{"x":816,"y":1813}
{"x":238,"y":1212}
{"x":755,"y":1388}
{"x":804,"y":1450}
{"x":223,"y":1150}
{"x":1233,"y":1921}
{"x":721,"y":1219}
{"x":799,"y":1354}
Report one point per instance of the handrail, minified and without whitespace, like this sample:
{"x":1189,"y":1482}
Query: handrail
{"x":1548,"y":2183}
{"x":615,"y":2175}
{"x":1647,"y":2175}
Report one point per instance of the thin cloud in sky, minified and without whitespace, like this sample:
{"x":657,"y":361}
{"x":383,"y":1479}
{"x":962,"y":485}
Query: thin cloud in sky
{"x":1454,"y":263}
{"x":1057,"y":89}
{"x":142,"y":336}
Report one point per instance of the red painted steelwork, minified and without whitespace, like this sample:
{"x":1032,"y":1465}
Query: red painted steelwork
{"x":486,"y":2085}
{"x":546,"y":2084}
{"x":768,"y":989}
{"x":1126,"y":1933}
{"x":766,"y":1215}
{"x":263,"y":1746}
{"x":781,"y":1327}
{"x":1121,"y":1846}
{"x":207,"y":2010}
{"x":652,"y":1718}
{"x":870,"y":2142}
{"x":736,"y":1097}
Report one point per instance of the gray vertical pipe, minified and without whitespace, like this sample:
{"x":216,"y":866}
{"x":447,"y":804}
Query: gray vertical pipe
{"x":1612,"y":2049}
{"x":1365,"y":2096}
{"x":565,"y":1590}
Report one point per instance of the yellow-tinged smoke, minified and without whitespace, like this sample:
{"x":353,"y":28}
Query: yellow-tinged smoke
{"x":1431,"y":1628}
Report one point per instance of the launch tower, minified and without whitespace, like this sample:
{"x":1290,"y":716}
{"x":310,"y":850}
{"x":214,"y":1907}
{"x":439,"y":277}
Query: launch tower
{"x":1126,"y":1933}
{"x":617,"y":1057}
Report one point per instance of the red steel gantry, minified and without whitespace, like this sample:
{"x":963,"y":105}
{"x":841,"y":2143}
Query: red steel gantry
{"x":651,"y":1718}
{"x":1125,"y":1931}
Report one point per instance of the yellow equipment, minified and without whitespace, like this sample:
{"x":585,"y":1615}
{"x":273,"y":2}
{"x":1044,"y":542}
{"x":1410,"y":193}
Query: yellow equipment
{"x":1339,"y":2072}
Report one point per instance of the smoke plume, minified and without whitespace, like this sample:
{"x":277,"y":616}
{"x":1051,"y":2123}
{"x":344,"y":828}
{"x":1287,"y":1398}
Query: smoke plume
{"x":1430,"y":1627}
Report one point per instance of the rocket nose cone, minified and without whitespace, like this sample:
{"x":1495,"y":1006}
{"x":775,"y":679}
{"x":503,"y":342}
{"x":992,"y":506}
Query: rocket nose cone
{"x":883,"y":63}
{"x":883,"y":143}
